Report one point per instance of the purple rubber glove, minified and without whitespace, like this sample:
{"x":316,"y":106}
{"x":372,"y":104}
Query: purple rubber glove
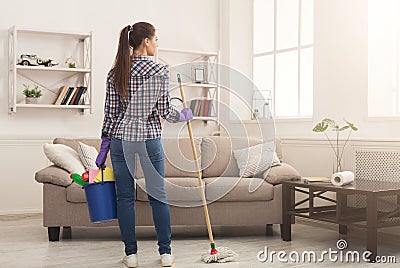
{"x":104,"y":148}
{"x":185,"y":115}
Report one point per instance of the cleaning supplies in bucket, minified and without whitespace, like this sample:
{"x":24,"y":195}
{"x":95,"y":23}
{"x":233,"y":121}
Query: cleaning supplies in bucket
{"x":96,"y":176}
{"x":101,"y":198}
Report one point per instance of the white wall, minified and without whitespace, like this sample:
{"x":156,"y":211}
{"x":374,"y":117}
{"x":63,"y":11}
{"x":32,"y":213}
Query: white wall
{"x":181,"y":24}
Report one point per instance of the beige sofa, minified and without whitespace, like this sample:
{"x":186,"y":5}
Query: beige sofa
{"x":228,"y":196}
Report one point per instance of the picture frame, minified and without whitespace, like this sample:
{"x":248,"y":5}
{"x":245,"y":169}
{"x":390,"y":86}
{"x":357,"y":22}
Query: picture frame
{"x":199,"y":74}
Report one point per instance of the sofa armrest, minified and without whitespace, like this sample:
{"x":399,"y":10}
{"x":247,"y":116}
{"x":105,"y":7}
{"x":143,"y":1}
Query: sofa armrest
{"x":54,"y":175}
{"x":283,"y":172}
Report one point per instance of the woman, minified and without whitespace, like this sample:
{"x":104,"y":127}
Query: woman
{"x":136,"y":96}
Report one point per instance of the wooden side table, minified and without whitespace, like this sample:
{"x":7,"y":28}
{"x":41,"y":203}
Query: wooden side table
{"x":368,"y":217}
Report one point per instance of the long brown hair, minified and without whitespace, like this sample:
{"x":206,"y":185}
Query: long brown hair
{"x":131,"y":36}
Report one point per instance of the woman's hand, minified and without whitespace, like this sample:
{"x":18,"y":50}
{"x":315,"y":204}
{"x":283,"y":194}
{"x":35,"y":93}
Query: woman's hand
{"x":104,"y":148}
{"x":185,"y":115}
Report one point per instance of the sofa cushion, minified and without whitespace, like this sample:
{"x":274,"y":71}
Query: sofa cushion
{"x":76,"y":194}
{"x":277,"y":174}
{"x":179,"y":160}
{"x":54,"y":175}
{"x":74,"y":143}
{"x":256,"y":159}
{"x":180,"y":191}
{"x":236,"y":189}
{"x":88,"y":155}
{"x":64,"y":157}
{"x":217,"y":157}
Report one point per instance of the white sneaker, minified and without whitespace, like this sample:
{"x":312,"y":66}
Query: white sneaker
{"x":167,"y":260}
{"x":131,"y":260}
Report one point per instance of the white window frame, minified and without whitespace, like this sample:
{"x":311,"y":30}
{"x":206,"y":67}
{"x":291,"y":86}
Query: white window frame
{"x":276,"y":51}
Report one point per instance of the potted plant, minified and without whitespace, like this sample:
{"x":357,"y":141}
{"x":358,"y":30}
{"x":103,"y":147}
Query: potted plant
{"x":330,"y":123}
{"x":32,"y":95}
{"x":256,"y":113}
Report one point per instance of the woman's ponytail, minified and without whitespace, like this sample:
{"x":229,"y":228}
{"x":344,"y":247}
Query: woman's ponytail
{"x":122,"y":65}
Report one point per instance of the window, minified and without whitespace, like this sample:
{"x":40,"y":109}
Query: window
{"x":383,"y":58}
{"x":283,"y":56}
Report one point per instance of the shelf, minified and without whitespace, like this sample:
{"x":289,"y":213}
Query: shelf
{"x":203,"y":98}
{"x":199,"y":85}
{"x":53,"y":33}
{"x":53,"y":69}
{"x":205,"y":118}
{"x":202,"y":53}
{"x":50,"y":80}
{"x":23,"y":105}
{"x":192,"y":84}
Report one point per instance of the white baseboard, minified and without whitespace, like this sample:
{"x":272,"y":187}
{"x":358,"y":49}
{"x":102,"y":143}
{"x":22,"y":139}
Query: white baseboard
{"x":20,"y":212}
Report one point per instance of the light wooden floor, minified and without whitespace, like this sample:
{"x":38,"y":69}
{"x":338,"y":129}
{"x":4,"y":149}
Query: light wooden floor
{"x":23,"y":243}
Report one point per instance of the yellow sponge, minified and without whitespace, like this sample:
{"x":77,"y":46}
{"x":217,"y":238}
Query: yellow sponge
{"x":108,"y":175}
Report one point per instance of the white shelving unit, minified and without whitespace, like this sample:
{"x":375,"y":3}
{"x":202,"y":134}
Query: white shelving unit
{"x":181,"y":62}
{"x":54,"y":45}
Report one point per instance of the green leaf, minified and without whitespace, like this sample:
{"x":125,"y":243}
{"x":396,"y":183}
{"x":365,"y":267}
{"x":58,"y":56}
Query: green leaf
{"x":342,"y":128}
{"x":351,"y":125}
{"x":320,"y":127}
{"x":332,"y":123}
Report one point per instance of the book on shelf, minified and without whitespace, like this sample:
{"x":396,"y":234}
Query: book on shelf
{"x":61,"y":94}
{"x":76,"y":91}
{"x":209,"y":104}
{"x":198,"y":107}
{"x":73,"y":90}
{"x":67,"y":95}
{"x":201,"y":107}
{"x":202,"y":103}
{"x":206,"y":105}
{"x":58,"y":94}
{"x":70,"y":95}
{"x":192,"y":106}
{"x":80,"y":98}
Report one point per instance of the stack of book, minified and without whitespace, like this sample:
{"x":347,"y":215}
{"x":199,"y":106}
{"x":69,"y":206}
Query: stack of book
{"x":201,"y":107}
{"x":70,"y":95}
{"x":309,"y":180}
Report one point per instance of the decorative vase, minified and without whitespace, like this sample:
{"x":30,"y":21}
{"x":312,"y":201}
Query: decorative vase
{"x":29,"y":100}
{"x":337,"y":165}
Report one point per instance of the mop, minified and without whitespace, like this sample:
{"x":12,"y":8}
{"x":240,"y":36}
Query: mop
{"x":220,"y":254}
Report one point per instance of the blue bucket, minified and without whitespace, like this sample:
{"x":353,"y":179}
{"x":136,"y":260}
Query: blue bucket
{"x":102,"y":201}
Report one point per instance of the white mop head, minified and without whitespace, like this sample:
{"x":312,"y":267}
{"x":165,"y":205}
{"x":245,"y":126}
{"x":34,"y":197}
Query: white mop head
{"x":224,"y":255}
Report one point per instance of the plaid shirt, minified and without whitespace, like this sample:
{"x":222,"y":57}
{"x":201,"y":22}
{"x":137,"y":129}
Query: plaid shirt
{"x":137,"y":118}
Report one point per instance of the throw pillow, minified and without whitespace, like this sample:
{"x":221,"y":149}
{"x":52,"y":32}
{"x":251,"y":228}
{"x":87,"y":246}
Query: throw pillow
{"x":64,"y":157}
{"x":53,"y":175}
{"x":88,"y":155}
{"x":284,"y":172}
{"x":256,"y":159}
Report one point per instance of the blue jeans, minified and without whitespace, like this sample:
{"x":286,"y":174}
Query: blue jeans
{"x":151,"y":155}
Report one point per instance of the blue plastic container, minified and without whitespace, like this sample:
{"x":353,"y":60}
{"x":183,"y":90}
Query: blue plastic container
{"x":102,"y":201}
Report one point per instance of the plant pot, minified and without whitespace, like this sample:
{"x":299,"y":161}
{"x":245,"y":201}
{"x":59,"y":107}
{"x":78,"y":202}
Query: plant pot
{"x":31,"y":100}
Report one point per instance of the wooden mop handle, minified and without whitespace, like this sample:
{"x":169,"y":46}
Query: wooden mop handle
{"x":201,"y":184}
